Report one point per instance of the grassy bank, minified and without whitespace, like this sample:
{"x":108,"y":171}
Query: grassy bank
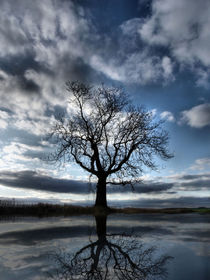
{"x":11,"y":208}
{"x":201,"y":210}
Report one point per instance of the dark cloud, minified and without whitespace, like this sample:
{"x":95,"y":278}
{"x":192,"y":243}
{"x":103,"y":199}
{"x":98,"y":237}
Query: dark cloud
{"x":35,"y":154}
{"x":29,"y":85}
{"x":21,"y":137}
{"x":16,"y":66}
{"x":33,"y":180}
{"x":191,"y":177}
{"x":194,"y":176}
{"x":77,"y":69}
{"x":194,"y":181}
{"x":197,"y":184}
{"x":4,"y":109}
{"x":57,"y":110}
{"x":144,"y":187}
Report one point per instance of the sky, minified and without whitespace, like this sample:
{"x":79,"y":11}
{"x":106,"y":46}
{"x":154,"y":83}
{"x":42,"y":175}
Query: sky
{"x":157,"y":50}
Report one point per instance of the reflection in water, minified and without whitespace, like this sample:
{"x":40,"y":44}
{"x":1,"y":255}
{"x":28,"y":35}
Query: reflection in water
{"x":111,"y":256}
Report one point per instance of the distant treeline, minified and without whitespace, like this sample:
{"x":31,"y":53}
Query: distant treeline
{"x":13,"y":208}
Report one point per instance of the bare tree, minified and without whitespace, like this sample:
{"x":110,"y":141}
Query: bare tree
{"x":108,"y":137}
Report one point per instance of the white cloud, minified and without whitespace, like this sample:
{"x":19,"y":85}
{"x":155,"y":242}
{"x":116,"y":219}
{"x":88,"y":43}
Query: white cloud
{"x":19,"y":156}
{"x":4,"y":116}
{"x":19,"y":149}
{"x":153,"y":112}
{"x":37,"y":126}
{"x":166,"y":115}
{"x":59,"y":34}
{"x":3,"y":124}
{"x":109,"y":69}
{"x":37,"y":33}
{"x":181,"y":26}
{"x":18,"y":101}
{"x":186,"y":32}
{"x":201,"y":164}
{"x":167,"y":68}
{"x":203,"y":78}
{"x":138,"y":67}
{"x":198,"y":116}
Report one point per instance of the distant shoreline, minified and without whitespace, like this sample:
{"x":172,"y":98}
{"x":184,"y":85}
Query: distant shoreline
{"x":10,"y":208}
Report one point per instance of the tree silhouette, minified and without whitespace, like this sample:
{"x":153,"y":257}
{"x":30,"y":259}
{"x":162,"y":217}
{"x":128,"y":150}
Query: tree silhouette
{"x":108,"y":137}
{"x":111,"y":256}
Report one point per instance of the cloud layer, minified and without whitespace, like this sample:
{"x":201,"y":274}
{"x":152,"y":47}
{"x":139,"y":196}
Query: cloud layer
{"x":44,"y":45}
{"x":183,"y":26}
{"x":36,"y":181}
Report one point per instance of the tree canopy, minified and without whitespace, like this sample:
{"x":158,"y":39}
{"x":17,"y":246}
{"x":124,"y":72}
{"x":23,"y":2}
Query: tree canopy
{"x":107,"y":136}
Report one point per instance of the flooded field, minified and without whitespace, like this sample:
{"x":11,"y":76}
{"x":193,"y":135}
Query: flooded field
{"x":141,"y":246}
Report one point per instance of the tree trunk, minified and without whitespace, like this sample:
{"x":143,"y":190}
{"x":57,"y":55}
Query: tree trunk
{"x":101,"y":193}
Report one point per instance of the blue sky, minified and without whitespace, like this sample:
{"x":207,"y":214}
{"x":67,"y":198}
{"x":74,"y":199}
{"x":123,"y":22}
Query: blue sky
{"x":158,"y":51}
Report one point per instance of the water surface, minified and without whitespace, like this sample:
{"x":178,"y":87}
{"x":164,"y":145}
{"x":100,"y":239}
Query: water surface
{"x":140,"y":246}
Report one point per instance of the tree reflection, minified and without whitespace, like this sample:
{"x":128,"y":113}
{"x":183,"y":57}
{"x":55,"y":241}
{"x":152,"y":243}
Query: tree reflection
{"x":111,"y":256}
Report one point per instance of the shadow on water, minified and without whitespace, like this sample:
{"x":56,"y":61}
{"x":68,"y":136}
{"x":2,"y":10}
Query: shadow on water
{"x":110,"y":256}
